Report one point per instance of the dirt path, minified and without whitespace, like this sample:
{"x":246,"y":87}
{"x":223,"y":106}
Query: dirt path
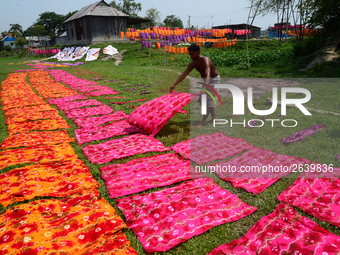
{"x":118,"y":57}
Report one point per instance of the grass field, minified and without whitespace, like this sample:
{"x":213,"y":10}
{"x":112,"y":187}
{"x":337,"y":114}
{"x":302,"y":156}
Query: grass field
{"x":156,"y":78}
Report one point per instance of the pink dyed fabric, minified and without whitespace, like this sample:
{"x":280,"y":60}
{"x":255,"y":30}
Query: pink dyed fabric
{"x":206,"y":148}
{"x":91,"y":88}
{"x":182,"y":148}
{"x":145,"y":173}
{"x":66,"y":99}
{"x":99,"y":120}
{"x":120,"y":148}
{"x":165,"y":218}
{"x":106,"y":91}
{"x":153,"y":115}
{"x":77,"y":104}
{"x":73,"y":81}
{"x":134,"y":101}
{"x":90,"y":111}
{"x":316,"y":195}
{"x":85,"y":135}
{"x":266,"y":167}
{"x":302,"y":134}
{"x":283,"y":232}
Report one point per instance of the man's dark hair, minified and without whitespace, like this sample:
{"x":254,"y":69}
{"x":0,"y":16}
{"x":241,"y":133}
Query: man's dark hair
{"x":194,"y":47}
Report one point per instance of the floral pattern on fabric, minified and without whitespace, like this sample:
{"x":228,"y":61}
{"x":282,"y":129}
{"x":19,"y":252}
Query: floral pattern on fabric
{"x":90,"y":111}
{"x":38,"y":154}
{"x":316,"y":195}
{"x":165,"y":218}
{"x":141,"y":174}
{"x":89,"y":122}
{"x":274,"y":166}
{"x":121,"y":148}
{"x":21,"y":117}
{"x":85,"y":135}
{"x":283,"y":232}
{"x":77,"y":104}
{"x":27,"y":126}
{"x":29,"y":109}
{"x":56,"y":179}
{"x":36,"y":138}
{"x":153,"y":115}
{"x":78,"y":224}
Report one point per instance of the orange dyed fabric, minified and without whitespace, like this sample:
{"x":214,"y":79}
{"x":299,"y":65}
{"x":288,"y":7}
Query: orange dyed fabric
{"x":36,"y":138}
{"x":36,"y":125}
{"x":23,"y":102}
{"x":79,"y":224}
{"x":21,"y":117}
{"x":29,"y":109}
{"x":56,"y":179}
{"x":38,"y":154}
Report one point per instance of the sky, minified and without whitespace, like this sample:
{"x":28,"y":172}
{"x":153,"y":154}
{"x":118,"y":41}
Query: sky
{"x":202,"y":13}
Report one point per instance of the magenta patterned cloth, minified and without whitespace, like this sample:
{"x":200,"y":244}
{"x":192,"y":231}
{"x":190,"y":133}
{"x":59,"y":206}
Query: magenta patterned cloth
{"x":85,"y":135}
{"x":165,"y":218}
{"x":153,"y":115}
{"x":302,"y":134}
{"x":145,"y":173}
{"x":257,"y":169}
{"x":106,"y":91}
{"x":315,"y":195}
{"x":73,"y":81}
{"x":120,"y":148}
{"x":182,"y":148}
{"x":77,"y":104}
{"x":283,"y":232}
{"x":60,"y":100}
{"x":91,"y":88}
{"x":90,"y":111}
{"x":99,"y":120}
{"x":206,"y":148}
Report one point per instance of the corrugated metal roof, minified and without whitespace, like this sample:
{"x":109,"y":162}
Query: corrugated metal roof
{"x":100,"y":8}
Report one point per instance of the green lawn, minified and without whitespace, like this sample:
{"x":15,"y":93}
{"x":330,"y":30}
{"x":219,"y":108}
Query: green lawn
{"x":137,"y":70}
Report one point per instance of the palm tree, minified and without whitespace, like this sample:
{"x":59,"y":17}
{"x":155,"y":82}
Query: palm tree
{"x":16,"y":30}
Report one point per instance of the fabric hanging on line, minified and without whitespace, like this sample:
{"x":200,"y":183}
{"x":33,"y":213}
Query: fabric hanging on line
{"x":283,"y":232}
{"x":121,"y":148}
{"x":81,"y":223}
{"x":77,"y":104}
{"x":165,"y":218}
{"x":316,"y":193}
{"x":122,"y":127}
{"x":90,"y":111}
{"x":144,"y":173}
{"x":302,"y":134}
{"x":92,"y":54}
{"x":22,"y":117}
{"x":36,"y":138}
{"x":56,"y":179}
{"x":266,"y":168}
{"x":37,"y":154}
{"x":89,"y":122}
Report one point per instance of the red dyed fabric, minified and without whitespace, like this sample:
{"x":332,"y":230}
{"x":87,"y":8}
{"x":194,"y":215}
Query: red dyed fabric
{"x":88,"y":122}
{"x":283,"y":232}
{"x":182,"y":148}
{"x":85,"y":135}
{"x":29,"y":109}
{"x":36,"y":138}
{"x":66,"y":99}
{"x":153,"y":115}
{"x":145,"y":173}
{"x":120,"y":148}
{"x":165,"y":218}
{"x":77,"y":104}
{"x":316,"y":195}
{"x":206,"y":148}
{"x":274,"y":167}
{"x":90,"y":111}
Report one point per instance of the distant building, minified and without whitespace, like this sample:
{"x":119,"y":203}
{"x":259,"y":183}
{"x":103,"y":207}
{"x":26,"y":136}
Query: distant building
{"x":255,"y":31}
{"x":38,"y":41}
{"x":8,"y":40}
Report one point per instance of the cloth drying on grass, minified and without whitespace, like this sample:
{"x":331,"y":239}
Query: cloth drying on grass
{"x":134,"y":101}
{"x":302,"y":134}
{"x":145,"y":173}
{"x":113,"y":97}
{"x":27,"y":126}
{"x":121,"y":148}
{"x":316,"y":193}
{"x":85,"y":135}
{"x":88,"y":122}
{"x":206,"y":148}
{"x":105,"y":91}
{"x":29,"y":109}
{"x":69,"y":79}
{"x":79,"y":224}
{"x":22,"y":117}
{"x":154,"y":114}
{"x":256,"y":160}
{"x":90,"y":88}
{"x":77,"y":104}
{"x":36,"y":138}
{"x":283,"y":232}
{"x":23,"y":102}
{"x":38,"y":154}
{"x":90,"y":111}
{"x":165,"y":218}
{"x":56,"y":179}
{"x":66,"y":99}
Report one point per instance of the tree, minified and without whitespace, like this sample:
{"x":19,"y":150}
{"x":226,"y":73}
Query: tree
{"x":52,"y":22}
{"x":39,"y":30}
{"x":20,"y":42}
{"x":153,"y":15}
{"x":173,"y":21}
{"x":15,"y":30}
{"x":128,"y":7}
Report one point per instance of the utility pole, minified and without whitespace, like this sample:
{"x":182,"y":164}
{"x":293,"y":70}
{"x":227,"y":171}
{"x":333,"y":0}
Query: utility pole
{"x":189,"y":22}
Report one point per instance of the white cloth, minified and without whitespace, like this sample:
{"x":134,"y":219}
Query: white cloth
{"x":79,"y":53}
{"x":92,"y":54}
{"x":109,"y":50}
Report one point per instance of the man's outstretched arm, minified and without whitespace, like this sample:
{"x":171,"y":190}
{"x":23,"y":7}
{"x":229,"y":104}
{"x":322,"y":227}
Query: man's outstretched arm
{"x":181,"y":77}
